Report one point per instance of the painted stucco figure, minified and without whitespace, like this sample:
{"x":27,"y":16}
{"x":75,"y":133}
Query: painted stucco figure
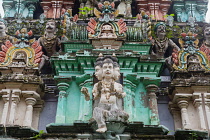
{"x":107,"y":91}
{"x":107,"y":11}
{"x":205,"y":47}
{"x":50,"y":42}
{"x":162,"y":44}
{"x":3,"y":35}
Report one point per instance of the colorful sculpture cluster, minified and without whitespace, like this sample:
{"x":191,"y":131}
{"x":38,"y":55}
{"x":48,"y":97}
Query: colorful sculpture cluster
{"x":109,"y":69}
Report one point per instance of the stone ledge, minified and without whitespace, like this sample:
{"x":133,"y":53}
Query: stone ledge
{"x":17,"y":131}
{"x":190,"y":134}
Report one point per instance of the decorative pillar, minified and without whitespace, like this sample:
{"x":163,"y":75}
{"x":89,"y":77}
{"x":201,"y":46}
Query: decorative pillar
{"x":31,"y":10}
{"x":56,"y":5}
{"x":29,"y":111}
{"x":183,"y":104}
{"x":190,"y":8}
{"x":37,"y":108}
{"x":86,"y":106}
{"x":46,"y":8}
{"x":81,"y":6}
{"x":202,"y":9}
{"x":152,"y":10}
{"x":207,"y":108}
{"x":31,"y":98}
{"x":178,"y":11}
{"x":7,"y":9}
{"x":19,"y":7}
{"x":5,"y":96}
{"x":128,"y":8}
{"x":15,"y":99}
{"x":151,"y":89}
{"x":198,"y":104}
{"x":175,"y":111}
{"x":61,"y":109}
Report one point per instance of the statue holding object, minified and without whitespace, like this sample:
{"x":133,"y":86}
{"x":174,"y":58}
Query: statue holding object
{"x":107,"y":91}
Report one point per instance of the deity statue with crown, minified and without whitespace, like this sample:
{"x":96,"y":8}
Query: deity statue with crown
{"x":108,"y":92}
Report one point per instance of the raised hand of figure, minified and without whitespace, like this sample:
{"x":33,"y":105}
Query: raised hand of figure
{"x":84,"y":90}
{"x":123,"y":94}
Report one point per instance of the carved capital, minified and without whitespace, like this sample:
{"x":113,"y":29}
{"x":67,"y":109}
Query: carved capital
{"x":30,"y":101}
{"x":183,"y":104}
{"x":30,"y":94}
{"x":63,"y":86}
{"x":16,"y":95}
{"x":151,"y":88}
{"x":174,"y":109}
{"x":197,"y":103}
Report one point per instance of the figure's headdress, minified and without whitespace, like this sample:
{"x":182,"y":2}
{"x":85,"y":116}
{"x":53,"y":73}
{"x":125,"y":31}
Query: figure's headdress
{"x":158,"y":24}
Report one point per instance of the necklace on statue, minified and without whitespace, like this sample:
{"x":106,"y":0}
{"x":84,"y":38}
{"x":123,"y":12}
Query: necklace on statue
{"x":161,"y":44}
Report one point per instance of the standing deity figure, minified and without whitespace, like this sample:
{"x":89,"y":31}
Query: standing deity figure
{"x":50,"y":42}
{"x":107,"y":91}
{"x":162,"y":46}
{"x":3,"y":36}
{"x":205,"y":47}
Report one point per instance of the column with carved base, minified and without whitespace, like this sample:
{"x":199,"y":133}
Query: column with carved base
{"x":61,"y":109}
{"x":15,"y":99}
{"x":198,"y":104}
{"x":151,"y":89}
{"x":183,"y":104}
{"x":30,"y":100}
{"x":5,"y":95}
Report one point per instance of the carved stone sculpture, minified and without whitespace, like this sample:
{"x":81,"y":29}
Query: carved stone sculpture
{"x":105,"y":28}
{"x":162,"y":44}
{"x":50,"y":42}
{"x":3,"y":36}
{"x":107,"y":91}
{"x":107,"y":11}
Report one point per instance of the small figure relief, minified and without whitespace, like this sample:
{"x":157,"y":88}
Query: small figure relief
{"x":107,"y":12}
{"x":194,"y":64}
{"x":162,"y":44}
{"x":205,"y":47}
{"x":50,"y":44}
{"x":3,"y":36}
{"x":107,"y":92}
{"x":23,"y":38}
{"x":107,"y":31}
{"x":20,"y":56}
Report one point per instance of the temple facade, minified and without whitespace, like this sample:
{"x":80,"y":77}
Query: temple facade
{"x":105,"y":69}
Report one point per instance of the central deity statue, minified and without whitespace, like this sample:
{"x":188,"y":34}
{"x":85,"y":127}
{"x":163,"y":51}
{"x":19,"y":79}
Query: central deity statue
{"x":108,"y":92}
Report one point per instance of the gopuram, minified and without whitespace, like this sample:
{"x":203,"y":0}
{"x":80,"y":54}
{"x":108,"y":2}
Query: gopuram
{"x":105,"y":70}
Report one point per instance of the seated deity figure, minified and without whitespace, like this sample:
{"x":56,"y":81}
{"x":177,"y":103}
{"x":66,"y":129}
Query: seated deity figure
{"x":50,"y":43}
{"x":205,"y":47}
{"x":107,"y":91}
{"x":162,"y":46}
{"x":3,"y":36}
